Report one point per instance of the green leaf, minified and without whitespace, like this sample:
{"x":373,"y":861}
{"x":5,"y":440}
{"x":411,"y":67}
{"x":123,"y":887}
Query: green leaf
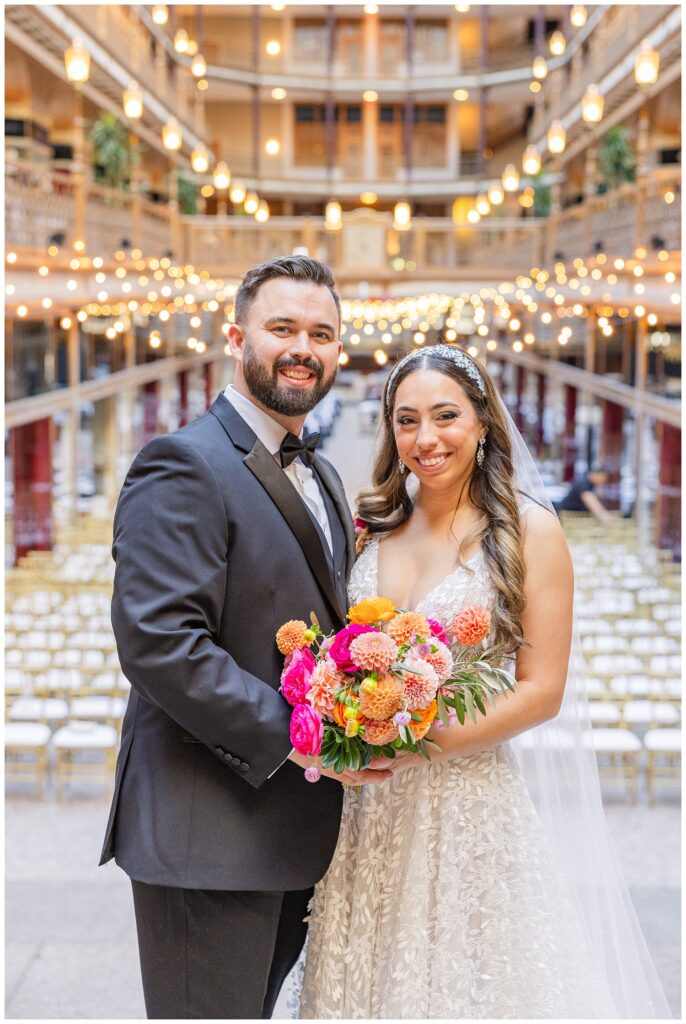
{"x":442,"y":710}
{"x":469,"y":704}
{"x":479,"y":703}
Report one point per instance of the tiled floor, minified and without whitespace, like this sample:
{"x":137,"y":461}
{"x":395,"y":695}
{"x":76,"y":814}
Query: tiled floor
{"x":70,"y":937}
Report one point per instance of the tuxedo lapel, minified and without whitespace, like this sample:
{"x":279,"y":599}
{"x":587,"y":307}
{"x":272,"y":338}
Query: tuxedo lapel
{"x":333,"y":487}
{"x":289,"y":503}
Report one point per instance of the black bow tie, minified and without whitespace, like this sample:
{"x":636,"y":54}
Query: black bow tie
{"x":292,"y":447}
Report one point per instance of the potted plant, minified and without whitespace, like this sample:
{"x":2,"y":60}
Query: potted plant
{"x":616,"y":158}
{"x":111,"y":153}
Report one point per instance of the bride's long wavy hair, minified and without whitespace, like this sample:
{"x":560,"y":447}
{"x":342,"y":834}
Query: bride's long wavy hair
{"x":491,"y":491}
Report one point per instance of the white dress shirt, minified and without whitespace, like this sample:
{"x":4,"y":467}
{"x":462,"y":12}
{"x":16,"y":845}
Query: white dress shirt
{"x":271,"y":434}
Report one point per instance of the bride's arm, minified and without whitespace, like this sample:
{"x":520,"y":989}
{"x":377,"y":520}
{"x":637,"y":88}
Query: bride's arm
{"x":541,"y":668}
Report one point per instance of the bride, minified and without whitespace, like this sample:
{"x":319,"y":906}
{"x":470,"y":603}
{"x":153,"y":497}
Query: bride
{"x":481,"y":884}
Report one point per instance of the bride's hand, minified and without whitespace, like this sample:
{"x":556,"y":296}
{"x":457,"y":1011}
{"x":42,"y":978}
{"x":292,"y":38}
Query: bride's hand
{"x":399,"y":763}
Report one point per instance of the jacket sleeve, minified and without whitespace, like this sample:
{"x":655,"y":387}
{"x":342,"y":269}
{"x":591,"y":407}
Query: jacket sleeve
{"x":171,"y":537}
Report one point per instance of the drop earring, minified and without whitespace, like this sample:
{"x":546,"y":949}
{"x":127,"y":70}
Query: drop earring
{"x":401,"y":466}
{"x":481,"y":451}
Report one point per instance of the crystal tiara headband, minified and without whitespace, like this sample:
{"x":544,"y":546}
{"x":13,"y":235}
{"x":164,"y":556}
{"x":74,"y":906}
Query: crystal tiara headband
{"x":448,"y":352}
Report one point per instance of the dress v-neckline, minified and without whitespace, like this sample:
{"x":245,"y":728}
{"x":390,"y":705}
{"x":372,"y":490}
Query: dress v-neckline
{"x":458,"y":568}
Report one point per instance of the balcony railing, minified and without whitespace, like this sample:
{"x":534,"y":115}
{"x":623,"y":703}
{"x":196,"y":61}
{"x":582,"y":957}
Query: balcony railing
{"x":621,"y":220}
{"x":434,"y":246}
{"x":40,"y":202}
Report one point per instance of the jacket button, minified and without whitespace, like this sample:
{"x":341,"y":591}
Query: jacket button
{"x":226,"y":755}
{"x":219,"y":750}
{"x":244,"y":767}
{"x":235,"y":761}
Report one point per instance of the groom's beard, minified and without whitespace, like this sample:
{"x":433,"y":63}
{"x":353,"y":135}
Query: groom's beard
{"x":286,"y":401}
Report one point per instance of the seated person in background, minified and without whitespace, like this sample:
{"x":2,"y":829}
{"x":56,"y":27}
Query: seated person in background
{"x":581,"y":496}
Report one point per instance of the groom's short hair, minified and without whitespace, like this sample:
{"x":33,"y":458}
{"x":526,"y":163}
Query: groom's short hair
{"x":299,"y":268}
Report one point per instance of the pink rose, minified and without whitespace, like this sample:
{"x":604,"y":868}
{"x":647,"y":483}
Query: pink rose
{"x":340,"y":648}
{"x":295,"y":678}
{"x":307,"y":730}
{"x":439,"y":631}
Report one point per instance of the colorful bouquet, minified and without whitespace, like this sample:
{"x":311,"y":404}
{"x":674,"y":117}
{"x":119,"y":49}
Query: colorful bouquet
{"x":376,"y":686}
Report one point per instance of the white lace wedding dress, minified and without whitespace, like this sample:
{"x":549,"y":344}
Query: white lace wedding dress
{"x":442,"y":899}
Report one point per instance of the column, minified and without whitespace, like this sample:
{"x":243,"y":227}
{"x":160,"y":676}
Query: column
{"x":183,"y":398}
{"x":569,"y":436}
{"x":370,"y":136}
{"x":136,"y":194}
{"x":669,"y":494}
{"x":112,"y":452}
{"x":70,"y":447}
{"x":370,"y":44}
{"x":256,"y":93}
{"x":80,"y":170}
{"x":611,"y":448}
{"x":540,"y":411}
{"x":642,"y":141}
{"x":174,"y":221}
{"x":31,"y":448}
{"x":520,"y":385}
{"x":481,"y":131}
{"x":150,"y":396}
{"x":207,"y":381}
{"x":641,"y":510}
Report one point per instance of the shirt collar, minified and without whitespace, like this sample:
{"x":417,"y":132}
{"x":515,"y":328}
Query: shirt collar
{"x":269,"y":432}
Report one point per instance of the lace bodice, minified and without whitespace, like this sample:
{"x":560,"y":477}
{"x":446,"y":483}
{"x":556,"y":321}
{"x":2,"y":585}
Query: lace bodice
{"x":467,"y":584}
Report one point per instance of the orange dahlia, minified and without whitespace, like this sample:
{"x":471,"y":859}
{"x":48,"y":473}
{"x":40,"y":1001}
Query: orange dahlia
{"x":405,"y":625}
{"x":378,"y":733}
{"x":385,"y":700}
{"x":420,"y":729}
{"x":372,"y":609}
{"x":373,"y":652}
{"x":291,"y":636}
{"x":472,"y":625}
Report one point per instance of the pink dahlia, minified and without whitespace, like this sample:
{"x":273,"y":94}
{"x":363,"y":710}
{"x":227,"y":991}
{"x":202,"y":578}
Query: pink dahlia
{"x":441,"y":660}
{"x":340,"y":646}
{"x":373,"y":652}
{"x":324,"y":682}
{"x":420,"y":682}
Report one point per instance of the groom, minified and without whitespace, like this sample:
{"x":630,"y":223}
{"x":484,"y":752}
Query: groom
{"x":225,"y":530}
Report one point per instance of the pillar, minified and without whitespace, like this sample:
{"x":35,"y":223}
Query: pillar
{"x":611,"y":447}
{"x":669,"y":494}
{"x":370,"y":44}
{"x":569,"y":436}
{"x":183,"y":398}
{"x":540,"y":411}
{"x":520,"y":386}
{"x":370,"y":139}
{"x":207,"y":381}
{"x":31,"y":448}
{"x":151,"y":398}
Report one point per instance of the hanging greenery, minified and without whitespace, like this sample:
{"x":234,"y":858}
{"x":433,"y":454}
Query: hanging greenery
{"x":111,"y":152}
{"x":616,"y":158}
{"x":188,"y":195}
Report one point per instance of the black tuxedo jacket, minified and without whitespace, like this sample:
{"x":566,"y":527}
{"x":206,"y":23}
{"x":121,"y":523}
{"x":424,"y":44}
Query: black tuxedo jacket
{"x":215,"y":550}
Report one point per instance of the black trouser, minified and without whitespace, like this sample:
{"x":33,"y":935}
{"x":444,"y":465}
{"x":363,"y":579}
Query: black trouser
{"x":214,"y":954}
